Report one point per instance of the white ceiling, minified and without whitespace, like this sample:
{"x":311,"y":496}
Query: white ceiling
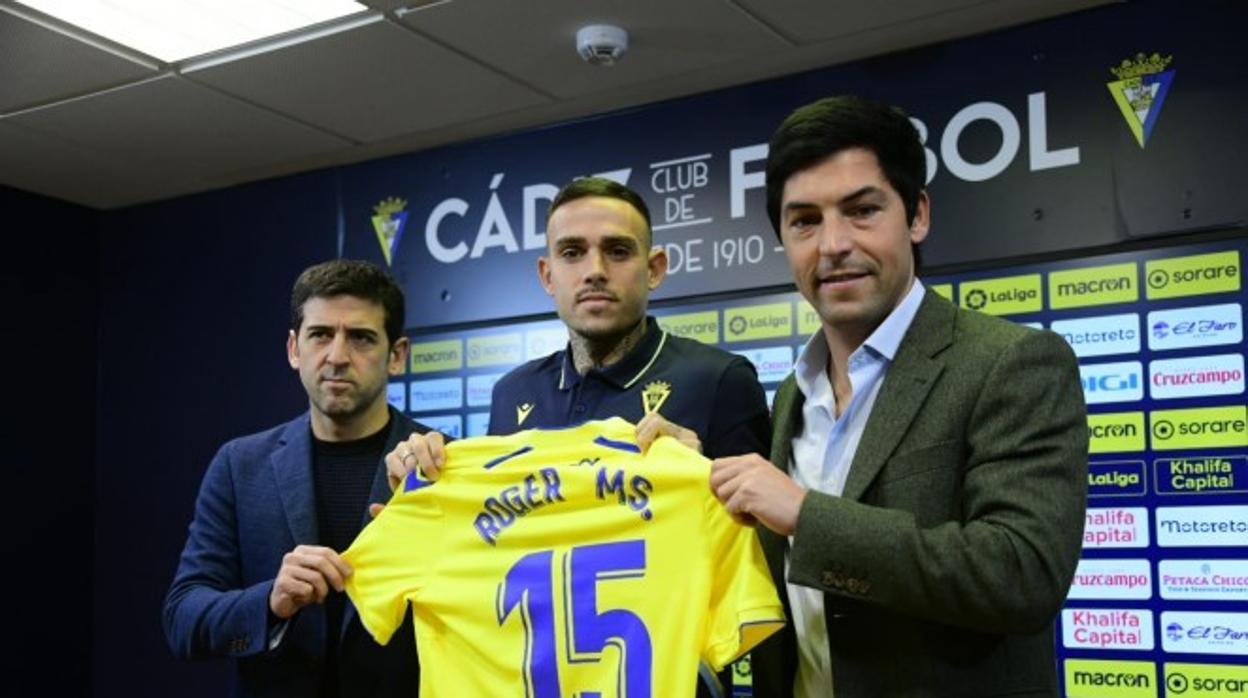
{"x":87,"y":121}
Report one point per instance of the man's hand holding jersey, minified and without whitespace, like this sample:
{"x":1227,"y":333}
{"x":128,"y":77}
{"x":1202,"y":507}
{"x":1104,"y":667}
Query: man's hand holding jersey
{"x":427,"y":452}
{"x":307,"y":574}
{"x":752,"y":489}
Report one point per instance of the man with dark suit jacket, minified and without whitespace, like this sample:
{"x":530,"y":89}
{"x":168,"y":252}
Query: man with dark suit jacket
{"x":924,"y":500}
{"x":260,"y":578}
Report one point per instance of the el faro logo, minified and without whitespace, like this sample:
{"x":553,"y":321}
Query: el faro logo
{"x":389,"y":219}
{"x":1140,"y":90}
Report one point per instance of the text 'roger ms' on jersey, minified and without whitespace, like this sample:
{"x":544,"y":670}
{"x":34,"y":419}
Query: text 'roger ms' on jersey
{"x":564,"y":562}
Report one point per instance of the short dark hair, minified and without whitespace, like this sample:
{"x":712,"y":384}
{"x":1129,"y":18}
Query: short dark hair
{"x":349,"y":277}
{"x":601,"y":186}
{"x":821,"y":129}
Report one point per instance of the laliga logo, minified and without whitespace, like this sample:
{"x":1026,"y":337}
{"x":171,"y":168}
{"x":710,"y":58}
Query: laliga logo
{"x":976,"y":299}
{"x":737,"y":325}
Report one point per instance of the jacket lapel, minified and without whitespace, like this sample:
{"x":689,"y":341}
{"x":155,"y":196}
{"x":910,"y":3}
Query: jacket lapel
{"x":292,"y":468}
{"x":910,"y":378}
{"x":786,"y":420}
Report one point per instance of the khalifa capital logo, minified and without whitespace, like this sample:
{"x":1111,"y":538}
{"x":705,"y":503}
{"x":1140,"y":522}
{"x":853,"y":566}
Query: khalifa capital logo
{"x":388,"y":222}
{"x":1140,"y":90}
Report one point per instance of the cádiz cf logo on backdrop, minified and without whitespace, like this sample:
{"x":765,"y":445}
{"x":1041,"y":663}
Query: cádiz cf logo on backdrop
{"x":388,"y":222}
{"x":1140,"y":90}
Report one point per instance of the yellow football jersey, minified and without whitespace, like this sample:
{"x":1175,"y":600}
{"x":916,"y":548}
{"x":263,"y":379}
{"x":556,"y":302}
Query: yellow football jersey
{"x":563,"y":562}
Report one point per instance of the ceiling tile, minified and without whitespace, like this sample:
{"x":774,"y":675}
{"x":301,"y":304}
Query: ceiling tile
{"x":370,"y":83}
{"x":53,"y":167}
{"x":536,"y":42}
{"x":169,"y":122}
{"x":39,"y":65}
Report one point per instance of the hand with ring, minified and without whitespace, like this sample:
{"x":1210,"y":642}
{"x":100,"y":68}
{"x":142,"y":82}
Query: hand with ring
{"x":423,"y":452}
{"x":426,"y":452}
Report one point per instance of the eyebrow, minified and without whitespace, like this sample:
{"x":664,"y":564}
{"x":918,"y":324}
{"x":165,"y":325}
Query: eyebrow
{"x":350,"y":330}
{"x":849,"y":198}
{"x":608,"y":239}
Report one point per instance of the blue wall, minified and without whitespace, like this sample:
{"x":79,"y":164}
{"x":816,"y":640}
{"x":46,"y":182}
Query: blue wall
{"x":193,"y":307}
{"x":48,"y":281}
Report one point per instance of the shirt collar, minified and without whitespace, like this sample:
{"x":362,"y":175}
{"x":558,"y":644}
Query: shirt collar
{"x":884,"y":341}
{"x":628,"y":370}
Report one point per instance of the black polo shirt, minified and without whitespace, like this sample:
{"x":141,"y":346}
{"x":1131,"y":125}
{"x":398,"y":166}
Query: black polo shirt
{"x":696,"y":386}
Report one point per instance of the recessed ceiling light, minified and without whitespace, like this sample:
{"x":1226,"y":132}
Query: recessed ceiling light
{"x":172,"y":30}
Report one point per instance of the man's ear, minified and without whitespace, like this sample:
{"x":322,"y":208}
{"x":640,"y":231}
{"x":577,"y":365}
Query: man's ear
{"x":657,"y":264}
{"x":922,"y":218}
{"x":292,"y":349}
{"x":543,"y":275}
{"x":398,"y":356}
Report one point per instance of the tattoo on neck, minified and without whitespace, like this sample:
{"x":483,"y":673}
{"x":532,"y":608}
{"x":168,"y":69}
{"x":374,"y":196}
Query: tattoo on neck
{"x":600,"y":352}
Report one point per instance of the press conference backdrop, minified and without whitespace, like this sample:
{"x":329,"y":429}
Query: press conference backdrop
{"x":1159,"y":605}
{"x":1117,"y":124}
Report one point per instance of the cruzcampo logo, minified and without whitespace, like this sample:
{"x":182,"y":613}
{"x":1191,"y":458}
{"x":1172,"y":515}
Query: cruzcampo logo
{"x":388,"y":222}
{"x":1140,"y":90}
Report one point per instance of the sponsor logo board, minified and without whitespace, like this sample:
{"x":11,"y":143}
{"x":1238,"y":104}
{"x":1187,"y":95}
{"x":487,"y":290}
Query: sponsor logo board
{"x":443,"y":355}
{"x":396,"y":395}
{"x":1007,"y":295}
{"x":772,"y":363}
{"x":1116,"y":527}
{"x":1204,"y":632}
{"x":758,"y":322}
{"x":1122,"y":381}
{"x":1076,"y":288}
{"x":1201,"y":475}
{"x":1201,"y":427}
{"x":495,"y":350}
{"x":1123,"y":478}
{"x":1200,"y":326}
{"x":1101,"y":578}
{"x":1196,"y":376}
{"x":1202,"y":526}
{"x":437,"y":394}
{"x":1205,"y":680}
{"x":1107,"y":628}
{"x":1101,"y":678}
{"x":1203,"y":580}
{"x":481,"y":388}
{"x":702,"y":326}
{"x":1116,"y":432}
{"x":1194,"y":275}
{"x":1103,"y":335}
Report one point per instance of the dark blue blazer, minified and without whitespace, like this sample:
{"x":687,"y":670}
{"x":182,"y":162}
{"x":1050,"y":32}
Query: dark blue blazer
{"x":257,"y":503}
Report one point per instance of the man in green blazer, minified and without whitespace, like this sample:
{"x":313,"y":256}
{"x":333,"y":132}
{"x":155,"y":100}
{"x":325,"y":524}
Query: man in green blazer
{"x":923,"y":505}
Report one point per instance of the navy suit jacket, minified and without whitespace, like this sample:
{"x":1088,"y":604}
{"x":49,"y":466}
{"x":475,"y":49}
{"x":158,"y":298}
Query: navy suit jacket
{"x":256,"y":503}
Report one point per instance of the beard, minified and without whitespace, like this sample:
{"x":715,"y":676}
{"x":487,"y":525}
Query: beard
{"x":345,"y":406}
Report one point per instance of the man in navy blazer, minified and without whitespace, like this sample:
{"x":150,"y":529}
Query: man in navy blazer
{"x":260,"y":579}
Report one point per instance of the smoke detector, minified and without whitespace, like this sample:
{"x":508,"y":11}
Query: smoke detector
{"x":601,"y":44}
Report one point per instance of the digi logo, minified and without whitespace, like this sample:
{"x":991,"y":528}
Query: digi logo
{"x":1116,"y":382}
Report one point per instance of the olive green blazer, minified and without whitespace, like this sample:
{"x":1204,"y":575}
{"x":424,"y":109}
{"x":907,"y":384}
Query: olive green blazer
{"x":953,"y":545}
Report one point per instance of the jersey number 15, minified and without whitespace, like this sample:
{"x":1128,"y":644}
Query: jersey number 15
{"x":529,"y":587}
